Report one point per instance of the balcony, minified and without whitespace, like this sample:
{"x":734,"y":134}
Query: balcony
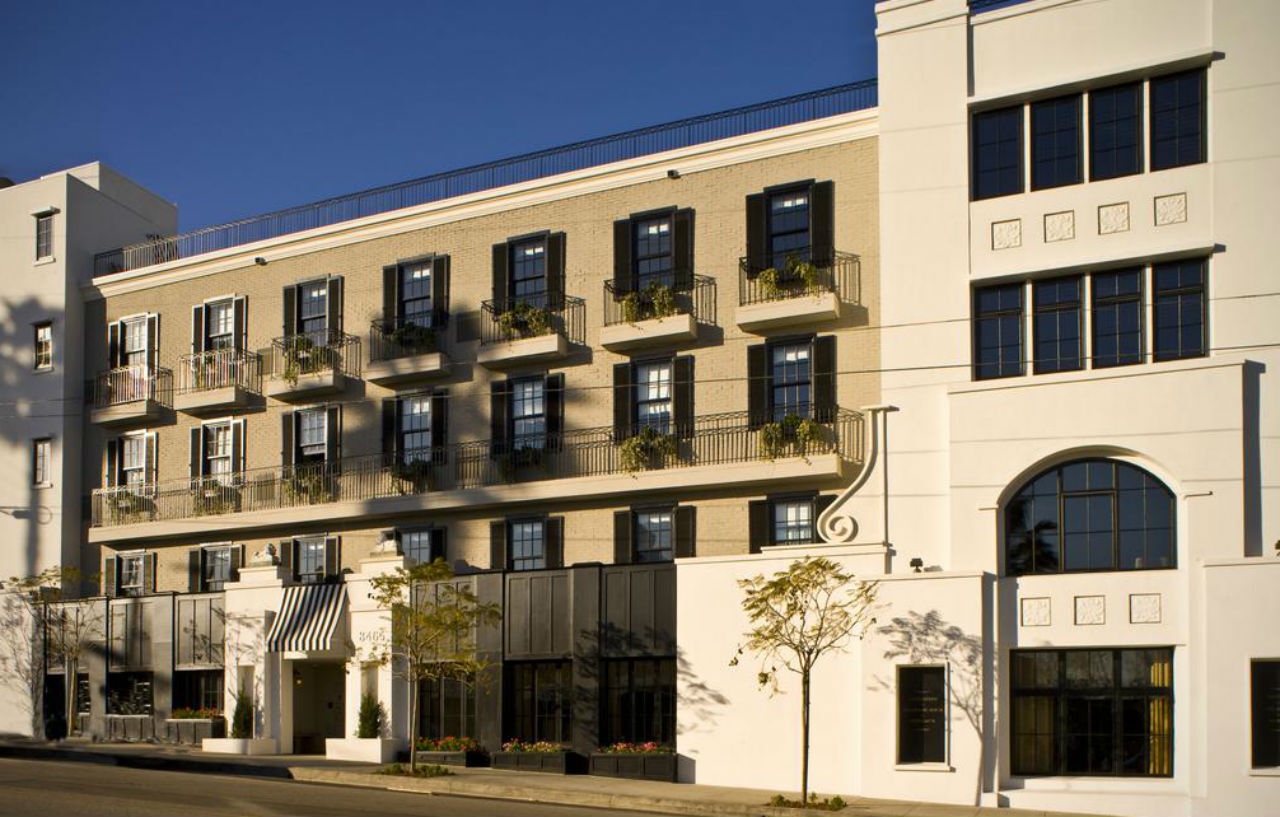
{"x":724,"y":450}
{"x":801,"y":291}
{"x":529,"y":329}
{"x":656,"y":315}
{"x":302,"y":367}
{"x":217,"y":380}
{"x":131,"y":394}
{"x":401,"y":350}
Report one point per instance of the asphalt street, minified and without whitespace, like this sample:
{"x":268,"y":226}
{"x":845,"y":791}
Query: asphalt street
{"x":46,"y":787}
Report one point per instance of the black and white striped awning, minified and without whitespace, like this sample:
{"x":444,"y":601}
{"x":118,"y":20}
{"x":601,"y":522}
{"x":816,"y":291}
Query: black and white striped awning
{"x":308,"y":618}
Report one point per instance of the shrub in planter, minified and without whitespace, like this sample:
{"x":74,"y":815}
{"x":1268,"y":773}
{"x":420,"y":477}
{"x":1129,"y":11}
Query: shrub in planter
{"x":645,"y":448}
{"x":242,"y":720}
{"x":654,"y":301}
{"x":372,"y":718}
{"x":522,"y":320}
{"x":775,"y":437}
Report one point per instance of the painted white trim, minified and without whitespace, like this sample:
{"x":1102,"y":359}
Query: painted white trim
{"x":1141,"y":72}
{"x":707,"y":156}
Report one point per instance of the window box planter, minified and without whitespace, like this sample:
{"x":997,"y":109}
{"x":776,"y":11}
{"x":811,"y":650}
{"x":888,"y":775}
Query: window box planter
{"x":193,"y":731}
{"x":131,"y":727}
{"x":473,"y":758}
{"x":550,"y":762}
{"x":648,"y":766}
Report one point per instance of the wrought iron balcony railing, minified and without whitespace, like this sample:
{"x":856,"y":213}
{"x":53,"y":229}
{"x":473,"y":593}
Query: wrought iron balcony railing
{"x":697,"y":297}
{"x":313,"y":353}
{"x":810,"y":272}
{"x":219,"y":368}
{"x":532,"y":316}
{"x":132,"y":384}
{"x":718,"y":439}
{"x":397,"y":338}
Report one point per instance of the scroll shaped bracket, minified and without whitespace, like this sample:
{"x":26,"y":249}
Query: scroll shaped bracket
{"x":860,"y":515}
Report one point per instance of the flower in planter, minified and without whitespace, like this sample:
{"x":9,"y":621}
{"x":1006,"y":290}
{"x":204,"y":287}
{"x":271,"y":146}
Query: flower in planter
{"x":449,"y":744}
{"x":187,"y":713}
{"x":545,"y":747}
{"x":648,"y":747}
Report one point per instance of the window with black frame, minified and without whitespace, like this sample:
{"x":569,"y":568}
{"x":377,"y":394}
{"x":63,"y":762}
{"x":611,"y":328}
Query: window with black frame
{"x":310,"y":560}
{"x":651,"y":252}
{"x":528,"y":413}
{"x":527,"y":543}
{"x":1117,"y":318}
{"x":639,"y":701}
{"x":1264,"y":700}
{"x":1115,"y":131}
{"x":540,"y":701}
{"x":1055,"y":142}
{"x":654,"y":535}
{"x":1092,"y":712}
{"x":997,"y":331}
{"x":1178,"y":309}
{"x":414,"y":428}
{"x":1057,"y":325}
{"x":312,"y":445}
{"x":1178,"y":119}
{"x":129,"y":693}
{"x":219,"y":325}
{"x":415,"y":294}
{"x":447,"y":708}
{"x":215,"y":567}
{"x":422,"y":546}
{"x":997,"y":153}
{"x":653,"y":407}
{"x":198,"y":689}
{"x":528,"y":282}
{"x":1090,"y":515}
{"x":791,"y":380}
{"x":788,"y":227}
{"x":792,"y":520}
{"x":313,"y":311}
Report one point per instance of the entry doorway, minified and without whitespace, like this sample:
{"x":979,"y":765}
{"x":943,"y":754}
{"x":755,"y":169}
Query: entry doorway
{"x":319,"y":692}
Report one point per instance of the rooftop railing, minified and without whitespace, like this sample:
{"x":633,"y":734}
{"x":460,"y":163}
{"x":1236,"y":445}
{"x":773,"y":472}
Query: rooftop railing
{"x":682,"y":133}
{"x":717,"y":439}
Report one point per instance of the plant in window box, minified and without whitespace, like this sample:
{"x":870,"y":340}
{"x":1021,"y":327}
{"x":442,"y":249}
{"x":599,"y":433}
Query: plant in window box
{"x":803,"y":272}
{"x":127,"y":505}
{"x":187,"y":713}
{"x":412,"y":336}
{"x":416,"y":472}
{"x":647,"y":448}
{"x":791,"y":432}
{"x":522,"y":320}
{"x":298,"y":354}
{"x":537,"y":756}
{"x":213,"y":497}
{"x":308,"y":487}
{"x":654,"y":301}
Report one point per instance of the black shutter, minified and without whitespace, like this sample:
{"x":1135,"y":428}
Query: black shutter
{"x":439,"y":426}
{"x":757,"y":253}
{"x":237,"y":447}
{"x":109,"y":586}
{"x":440,"y":290}
{"x":758,"y":524}
{"x":290,"y":297}
{"x":824,"y":378}
{"x":197,"y":329}
{"x":498,"y":545}
{"x":757,"y":385}
{"x":622,"y":400}
{"x":153,"y":460}
{"x":820,"y":504}
{"x":112,"y":464}
{"x":390,"y":416}
{"x":623,"y":278}
{"x":148,"y":573}
{"x":439,"y":544}
{"x":555,"y":411}
{"x":682,"y":395}
{"x":555,"y":270}
{"x":197,"y":433}
{"x":501,"y":254}
{"x":622,"y":547}
{"x":332,"y":556}
{"x":153,"y":341}
{"x":286,"y":556}
{"x":682,"y":249}
{"x":333,"y":437}
{"x":113,"y":345}
{"x":499,"y":395}
{"x":239,"y":340}
{"x":287,"y":449}
{"x":194,"y":573}
{"x":553,"y":531}
{"x":390,"y":294}
{"x":237,"y":559}
{"x":334,"y":299}
{"x":822,"y":225}
{"x":686,"y":532}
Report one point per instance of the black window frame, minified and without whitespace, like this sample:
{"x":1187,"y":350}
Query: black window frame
{"x":804,"y":409}
{"x":778,"y":500}
{"x":537,"y":440}
{"x":640,"y":399}
{"x":1178,"y":295}
{"x":1183,"y":111}
{"x":999,"y":314}
{"x":424,"y":452}
{"x":1117,"y":303}
{"x":315,"y":576}
{"x":1124,"y":159}
{"x":434,"y":718}
{"x":538,"y":560}
{"x":1056,"y":149}
{"x":130,"y":690}
{"x":525,"y":688}
{"x":300,"y":456}
{"x":778,"y":259}
{"x":308,"y":324}
{"x":419,"y":317}
{"x":535,"y":296}
{"x":423,"y":534}
{"x":913,"y":746}
{"x":645,"y":553}
{"x":1064,"y":695}
{"x":199,"y":689}
{"x":209,"y":583}
{"x":1000,"y":144}
{"x":1057,"y":310}
{"x":646,"y":261}
{"x":627,"y":700}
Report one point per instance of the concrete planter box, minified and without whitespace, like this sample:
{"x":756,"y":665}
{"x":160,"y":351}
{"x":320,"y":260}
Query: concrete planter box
{"x":130,"y":727}
{"x":656,"y":766}
{"x":363,"y":750}
{"x":193,"y":730}
{"x":804,"y":309}
{"x":471,"y":759}
{"x":240,"y":746}
{"x":550,"y":762}
{"x":652,"y":332}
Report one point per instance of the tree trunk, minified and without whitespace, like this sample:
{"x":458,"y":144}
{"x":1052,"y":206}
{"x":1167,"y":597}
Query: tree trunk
{"x":804,"y":736}
{"x":71,"y":676}
{"x":413,"y":723}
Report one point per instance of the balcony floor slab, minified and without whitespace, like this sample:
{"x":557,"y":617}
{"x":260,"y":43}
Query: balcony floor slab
{"x":522,"y":351}
{"x":805,"y":309}
{"x":207,"y":400}
{"x":137,"y":411}
{"x":403,"y":369}
{"x":306,"y":386}
{"x":653,"y":332}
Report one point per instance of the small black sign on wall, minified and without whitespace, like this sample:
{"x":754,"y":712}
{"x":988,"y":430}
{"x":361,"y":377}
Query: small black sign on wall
{"x":922,"y":715}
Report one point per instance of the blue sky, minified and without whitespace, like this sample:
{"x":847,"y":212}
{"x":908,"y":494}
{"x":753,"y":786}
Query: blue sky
{"x":234,"y":108}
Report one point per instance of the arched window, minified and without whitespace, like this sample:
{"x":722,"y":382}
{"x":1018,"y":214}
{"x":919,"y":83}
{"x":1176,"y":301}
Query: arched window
{"x":1090,"y":515}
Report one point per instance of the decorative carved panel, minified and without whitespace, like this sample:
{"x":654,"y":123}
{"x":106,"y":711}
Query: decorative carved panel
{"x":1006,"y":235}
{"x":1091,"y":610}
{"x":1144,"y":608}
{"x":1036,"y":612}
{"x":1113,"y":218}
{"x":1059,"y":226}
{"x":1171,"y":209}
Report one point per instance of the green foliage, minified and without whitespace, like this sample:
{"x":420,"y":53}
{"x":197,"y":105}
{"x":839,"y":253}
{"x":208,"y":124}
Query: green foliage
{"x":538,"y":747}
{"x":372,"y":721}
{"x":449,"y":744}
{"x":797,"y":277}
{"x":242,"y":717}
{"x":654,"y":301}
{"x":416,"y":471}
{"x":429,"y":770}
{"x":792,"y":431}
{"x":523,"y":320}
{"x":297,"y":358}
{"x":411,"y":336}
{"x":827,"y":804}
{"x":126,"y":505}
{"x":640,"y":450}
{"x":308,"y":487}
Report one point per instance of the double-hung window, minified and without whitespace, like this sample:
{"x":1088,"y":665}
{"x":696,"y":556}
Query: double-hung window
{"x":313,"y":311}
{"x":422,"y":546}
{"x":1115,"y":131}
{"x":415,"y":428}
{"x":653,"y":396}
{"x":219,"y":326}
{"x":997,"y":331}
{"x":528,"y":413}
{"x":788,"y":227}
{"x":1117,"y":318}
{"x":44,"y":236}
{"x":792,"y":520}
{"x":415,"y":294}
{"x":652,"y":252}
{"x":1055,"y":142}
{"x":791,"y":380}
{"x":1058,"y":325}
{"x":129,"y":574}
{"x":311,"y":554}
{"x":43,"y":346}
{"x":133,"y":461}
{"x":1179,"y":309}
{"x":133,"y":342}
{"x":215,"y":567}
{"x":529,"y":272}
{"x":654,"y":535}
{"x":217,"y":452}
{"x":528,"y":543}
{"x":312,"y":436}
{"x":42,"y":462}
{"x":997,"y":153}
{"x":1178,"y":119}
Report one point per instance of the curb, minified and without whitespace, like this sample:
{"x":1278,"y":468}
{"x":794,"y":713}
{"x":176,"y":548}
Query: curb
{"x":149,"y":762}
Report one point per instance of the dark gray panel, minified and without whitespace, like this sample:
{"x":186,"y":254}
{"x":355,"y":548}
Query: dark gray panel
{"x":537,"y":614}
{"x":639,"y":610}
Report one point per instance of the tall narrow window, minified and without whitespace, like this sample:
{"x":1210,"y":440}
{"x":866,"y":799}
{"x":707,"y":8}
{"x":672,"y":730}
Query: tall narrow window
{"x":43,"y":346}
{"x":1115,"y":131}
{"x":219,"y":325}
{"x":791,"y":378}
{"x":1264,"y":695}
{"x":997,"y":342}
{"x":415,"y":294}
{"x":528,"y":544}
{"x":218,"y":466}
{"x":540,"y":701}
{"x":41,"y":462}
{"x":1117,"y":318}
{"x":654,"y":535}
{"x":922,"y":714}
{"x":529,"y":272}
{"x":652,"y":252}
{"x":313,"y":311}
{"x":1178,"y":120}
{"x":133,"y":461}
{"x":311,"y":568}
{"x":1057,"y":325}
{"x":528,"y":413}
{"x":997,"y":153}
{"x":312,"y":436}
{"x":215,"y":567}
{"x":789,"y":227}
{"x":44,"y":236}
{"x":653,"y":396}
{"x":129,"y":574}
{"x":1179,"y":309}
{"x":448,"y":708}
{"x":415,"y":428}
{"x":133,"y":342}
{"x":640,"y":701}
{"x":1055,"y":142}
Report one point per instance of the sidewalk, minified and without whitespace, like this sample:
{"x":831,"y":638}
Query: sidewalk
{"x":532,"y":787}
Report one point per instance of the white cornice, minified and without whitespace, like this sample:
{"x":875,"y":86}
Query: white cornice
{"x":708,"y":156}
